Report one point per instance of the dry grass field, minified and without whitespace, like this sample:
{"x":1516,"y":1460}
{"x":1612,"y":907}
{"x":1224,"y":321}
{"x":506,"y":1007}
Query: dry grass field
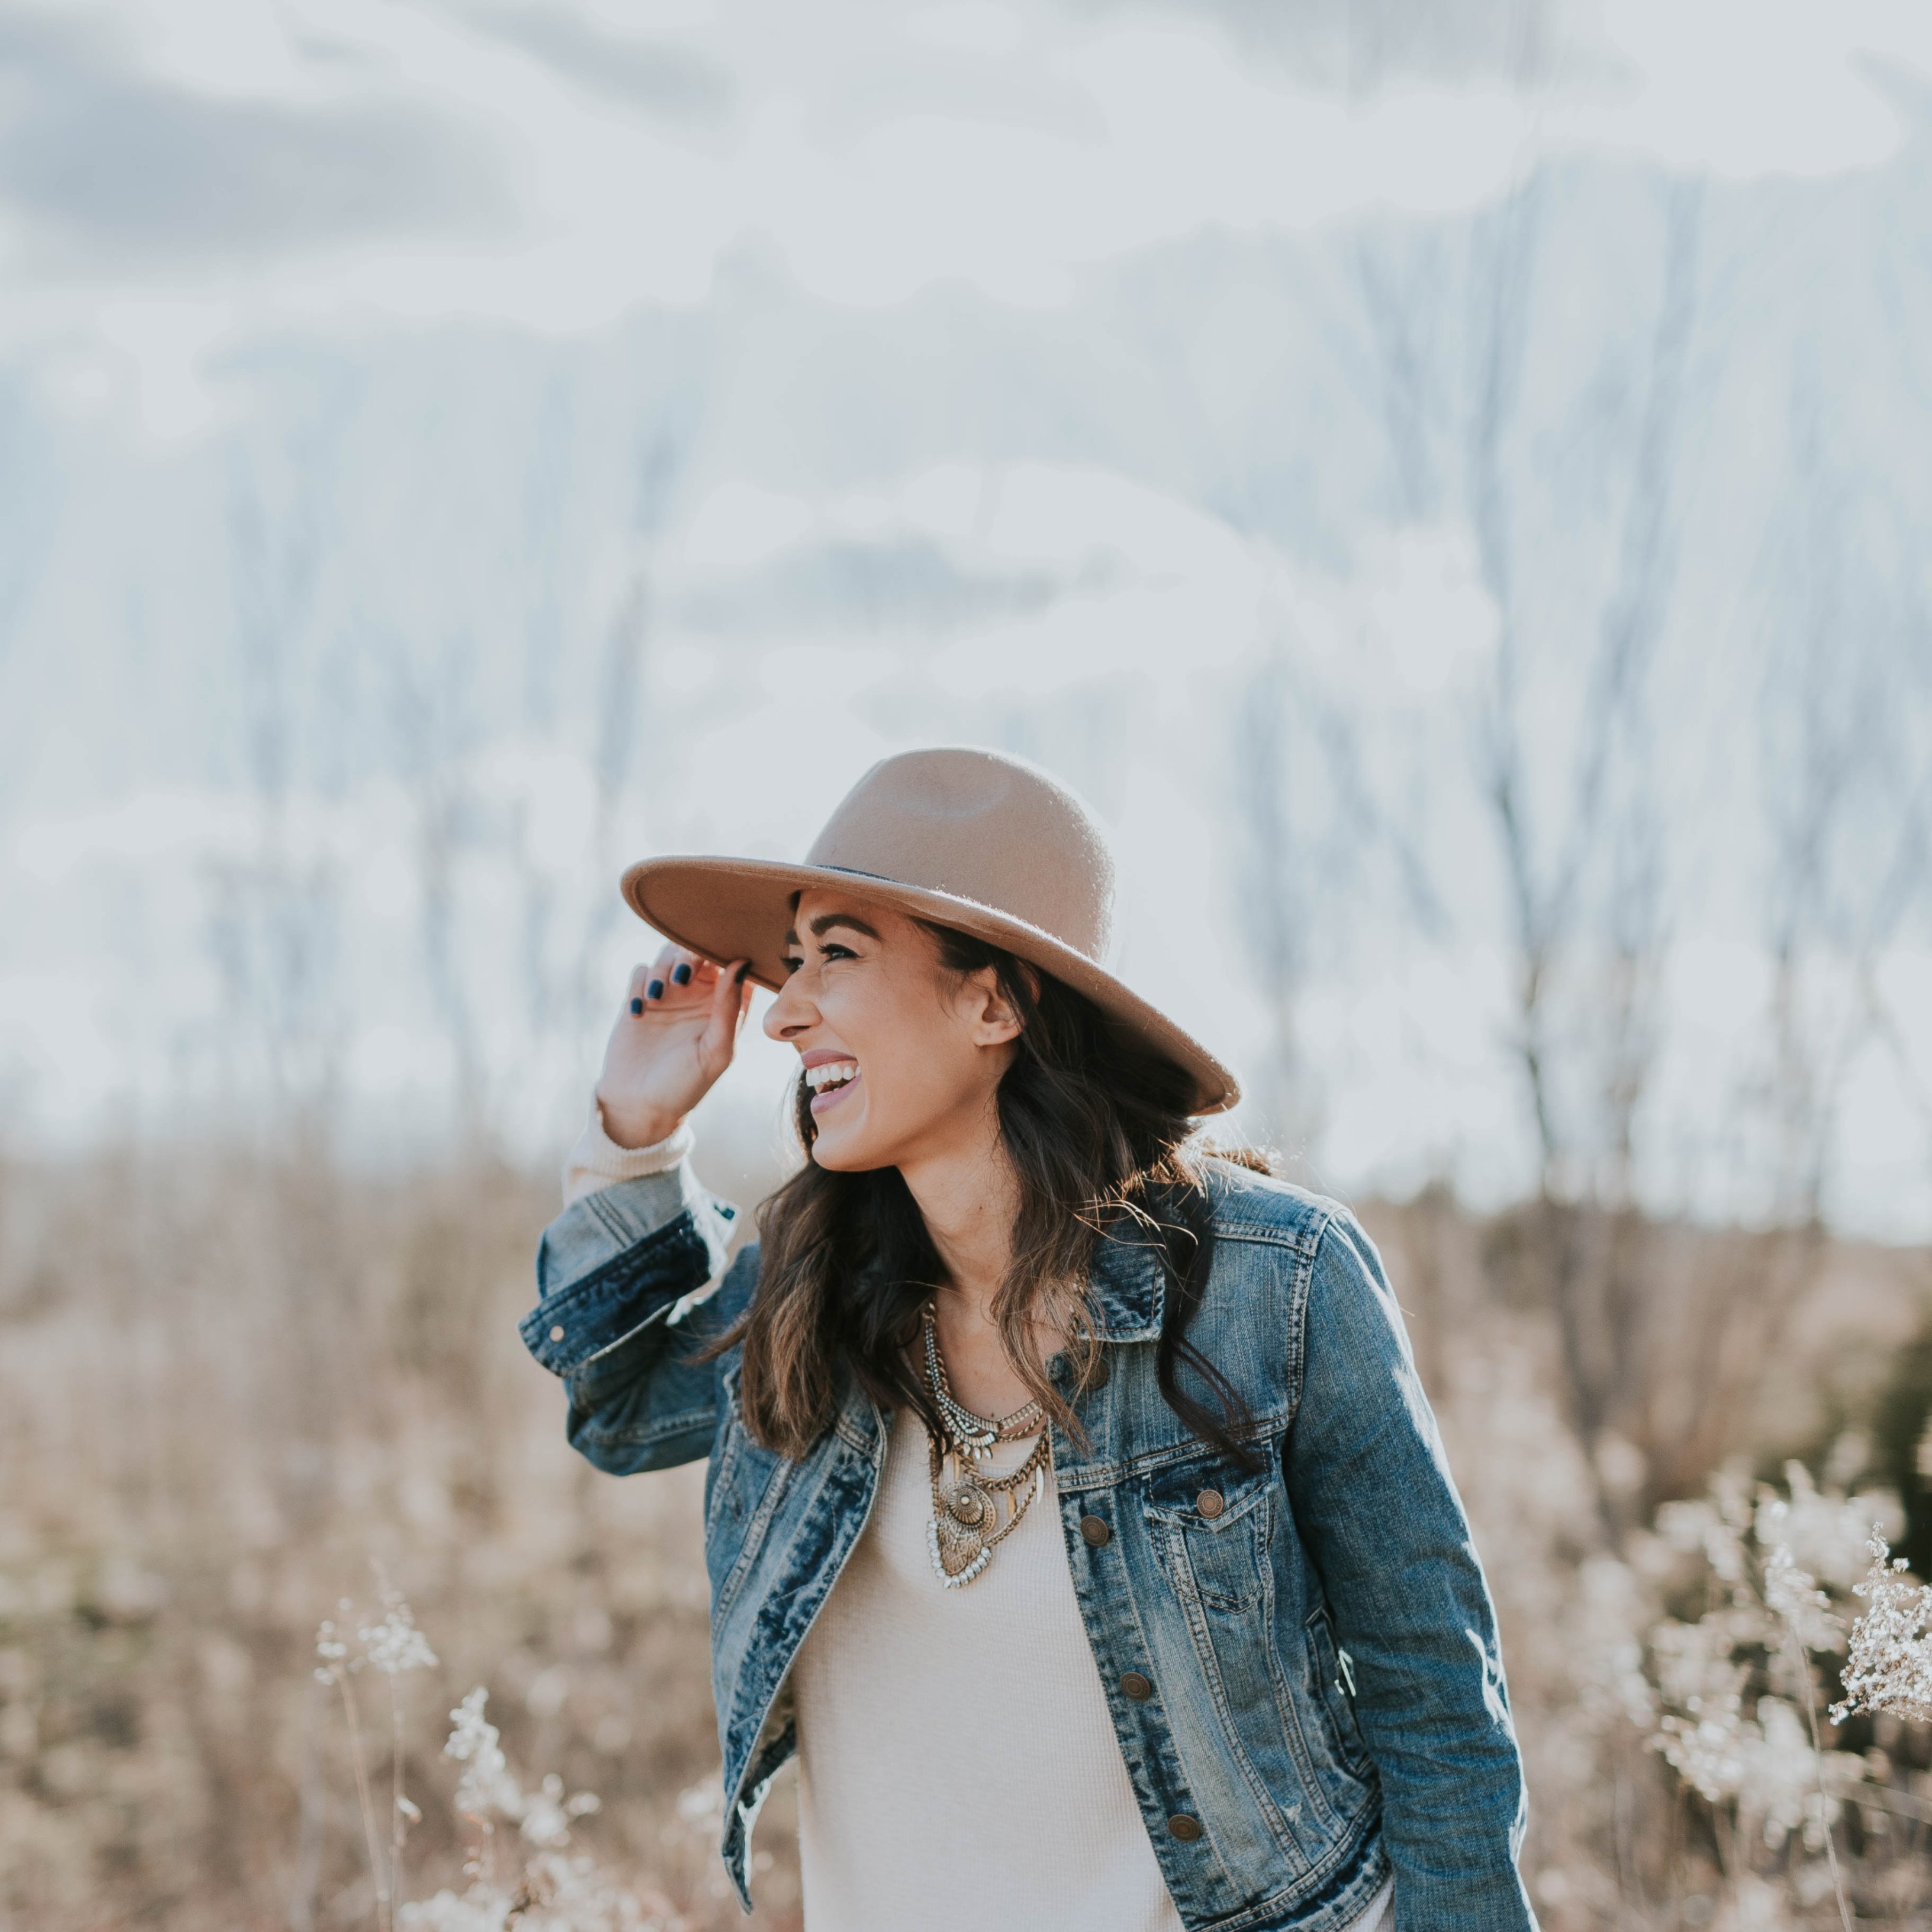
{"x":234,"y":1392}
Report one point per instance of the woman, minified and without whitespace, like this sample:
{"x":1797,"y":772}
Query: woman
{"x":1073,"y":1508}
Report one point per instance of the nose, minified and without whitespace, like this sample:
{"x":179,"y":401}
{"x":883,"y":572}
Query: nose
{"x":791,"y":1013}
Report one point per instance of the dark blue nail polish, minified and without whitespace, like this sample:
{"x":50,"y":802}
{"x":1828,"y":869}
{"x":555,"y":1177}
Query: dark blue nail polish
{"x":743,"y":971}
{"x":637,"y":1005}
{"x":655,"y":990}
{"x":680,"y":976}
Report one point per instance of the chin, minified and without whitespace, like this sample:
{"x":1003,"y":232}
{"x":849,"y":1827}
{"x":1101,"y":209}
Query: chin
{"x":838,"y":1160}
{"x":839,"y":1153}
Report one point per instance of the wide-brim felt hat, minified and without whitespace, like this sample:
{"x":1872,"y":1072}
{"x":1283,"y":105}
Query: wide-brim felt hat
{"x":976,"y":840}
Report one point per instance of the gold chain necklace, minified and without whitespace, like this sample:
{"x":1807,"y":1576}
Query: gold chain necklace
{"x":966,"y":1520}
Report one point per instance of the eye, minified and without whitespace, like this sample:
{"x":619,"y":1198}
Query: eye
{"x":833,"y":950}
{"x":790,"y":965}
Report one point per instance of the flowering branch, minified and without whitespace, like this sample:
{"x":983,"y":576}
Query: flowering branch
{"x":1890,"y":1665}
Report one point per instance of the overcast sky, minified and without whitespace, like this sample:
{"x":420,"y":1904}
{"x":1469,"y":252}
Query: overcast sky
{"x":173,"y":177}
{"x":358,"y":262}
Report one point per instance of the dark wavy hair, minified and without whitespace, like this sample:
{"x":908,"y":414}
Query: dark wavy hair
{"x":1095,"y":1123}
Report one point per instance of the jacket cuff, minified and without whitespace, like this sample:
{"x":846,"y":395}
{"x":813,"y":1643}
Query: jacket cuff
{"x":632,"y":1253}
{"x":596,"y":1161}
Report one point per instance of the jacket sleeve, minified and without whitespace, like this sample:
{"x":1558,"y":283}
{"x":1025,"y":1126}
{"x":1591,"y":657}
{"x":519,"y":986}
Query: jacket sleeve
{"x":1371,"y":1488}
{"x":623,"y":1310}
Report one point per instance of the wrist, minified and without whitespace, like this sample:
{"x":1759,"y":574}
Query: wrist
{"x":637,"y":1126}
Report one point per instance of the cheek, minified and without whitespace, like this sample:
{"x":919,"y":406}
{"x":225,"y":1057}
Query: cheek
{"x":921,"y":1083}
{"x":916,"y":1065}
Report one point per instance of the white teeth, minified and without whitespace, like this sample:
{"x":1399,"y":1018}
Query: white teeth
{"x":830,"y":1073}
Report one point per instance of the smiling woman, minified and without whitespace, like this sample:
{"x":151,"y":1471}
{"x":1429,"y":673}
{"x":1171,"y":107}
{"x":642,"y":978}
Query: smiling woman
{"x":1073,"y":1510}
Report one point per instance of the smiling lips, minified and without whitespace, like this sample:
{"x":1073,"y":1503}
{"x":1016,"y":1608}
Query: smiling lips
{"x":829,"y":1079}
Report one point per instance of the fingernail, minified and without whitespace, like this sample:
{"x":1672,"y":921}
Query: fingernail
{"x":680,"y":975}
{"x":637,"y":1005}
{"x":655,"y":990}
{"x":743,"y":971}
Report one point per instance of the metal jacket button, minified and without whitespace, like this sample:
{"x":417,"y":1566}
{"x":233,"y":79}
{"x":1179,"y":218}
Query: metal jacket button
{"x":1209,"y":1503}
{"x":1134,"y":1685}
{"x":1096,"y":1532}
{"x":556,"y":1334}
{"x":1185,"y":1828}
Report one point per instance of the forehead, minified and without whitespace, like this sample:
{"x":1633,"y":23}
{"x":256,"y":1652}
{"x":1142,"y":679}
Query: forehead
{"x":820,"y":905}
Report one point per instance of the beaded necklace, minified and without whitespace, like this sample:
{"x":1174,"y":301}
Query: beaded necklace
{"x":966,"y":1521}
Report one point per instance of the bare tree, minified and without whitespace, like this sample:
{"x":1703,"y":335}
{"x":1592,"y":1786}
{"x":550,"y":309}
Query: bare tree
{"x":1847,"y":794}
{"x":433,"y":736}
{"x":1582,"y":855}
{"x":1275,"y":885}
{"x":663,"y":454}
{"x":28,"y":499}
{"x":274,"y":920}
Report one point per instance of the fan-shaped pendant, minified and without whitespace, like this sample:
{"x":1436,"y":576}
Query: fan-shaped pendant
{"x":959,"y":1550}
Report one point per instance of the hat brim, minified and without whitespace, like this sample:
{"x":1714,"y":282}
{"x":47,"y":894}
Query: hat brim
{"x":729,"y":909}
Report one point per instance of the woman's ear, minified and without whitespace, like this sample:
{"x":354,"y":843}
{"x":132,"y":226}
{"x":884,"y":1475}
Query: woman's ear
{"x":990,"y":1015}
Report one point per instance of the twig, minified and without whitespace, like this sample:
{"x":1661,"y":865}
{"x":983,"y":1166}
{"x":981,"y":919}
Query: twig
{"x":396,"y":1814}
{"x":367,"y":1803}
{"x":1818,"y":1761}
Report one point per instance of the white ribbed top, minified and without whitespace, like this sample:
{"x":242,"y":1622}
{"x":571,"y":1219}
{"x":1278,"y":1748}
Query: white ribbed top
{"x":958,"y":1764}
{"x":958,"y":1769}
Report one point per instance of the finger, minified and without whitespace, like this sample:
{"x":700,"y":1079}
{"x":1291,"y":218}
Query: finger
{"x":728,"y":994}
{"x":634,"y":989}
{"x":657,"y":980}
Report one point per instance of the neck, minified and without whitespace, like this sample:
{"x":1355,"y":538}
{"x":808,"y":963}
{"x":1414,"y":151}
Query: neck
{"x":967,"y":1194}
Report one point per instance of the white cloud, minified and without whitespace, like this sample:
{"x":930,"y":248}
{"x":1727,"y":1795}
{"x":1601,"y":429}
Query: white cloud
{"x":739,"y":525}
{"x":138,"y":831}
{"x":1008,"y":149}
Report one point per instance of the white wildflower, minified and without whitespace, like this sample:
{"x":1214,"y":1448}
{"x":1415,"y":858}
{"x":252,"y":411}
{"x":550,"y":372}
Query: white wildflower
{"x":487,"y":1784}
{"x":1611,"y":1683}
{"x":1889,"y":1667}
{"x":1713,"y":1527}
{"x":1780,"y":1781}
{"x":1793,"y":1594}
{"x":395,"y":1645}
{"x":1827,"y":1535}
{"x":548,"y":1813}
{"x":555,"y":1894}
{"x":482,"y":1909}
{"x":703,"y":1803}
{"x":333,"y":1652}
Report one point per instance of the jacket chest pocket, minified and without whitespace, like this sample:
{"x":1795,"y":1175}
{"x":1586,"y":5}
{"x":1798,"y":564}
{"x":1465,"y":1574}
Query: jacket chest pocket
{"x":1212,"y":1526}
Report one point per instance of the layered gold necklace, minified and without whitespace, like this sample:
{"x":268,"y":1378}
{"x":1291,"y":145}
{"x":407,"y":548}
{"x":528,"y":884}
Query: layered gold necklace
{"x":973,"y":1510}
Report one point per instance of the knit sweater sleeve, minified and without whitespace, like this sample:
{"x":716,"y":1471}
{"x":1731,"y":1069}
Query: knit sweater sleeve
{"x":596,"y":1161}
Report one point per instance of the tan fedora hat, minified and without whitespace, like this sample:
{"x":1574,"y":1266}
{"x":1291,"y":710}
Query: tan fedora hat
{"x":971,"y":839}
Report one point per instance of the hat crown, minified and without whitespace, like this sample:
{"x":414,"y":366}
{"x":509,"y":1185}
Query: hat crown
{"x":979,"y":825}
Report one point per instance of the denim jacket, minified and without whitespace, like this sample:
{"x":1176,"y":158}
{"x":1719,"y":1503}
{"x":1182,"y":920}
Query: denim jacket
{"x":1329,"y":1702}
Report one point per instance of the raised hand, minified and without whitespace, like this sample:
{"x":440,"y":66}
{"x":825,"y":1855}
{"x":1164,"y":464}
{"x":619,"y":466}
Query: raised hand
{"x":675,"y":1035}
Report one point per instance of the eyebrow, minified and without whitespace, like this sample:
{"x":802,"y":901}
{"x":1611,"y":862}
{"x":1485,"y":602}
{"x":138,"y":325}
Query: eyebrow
{"x":826,"y":921}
